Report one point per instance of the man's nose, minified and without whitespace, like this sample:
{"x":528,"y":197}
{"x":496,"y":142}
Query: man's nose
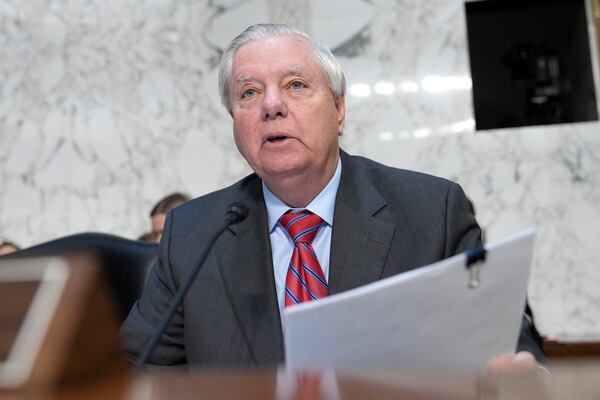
{"x":274,"y":105}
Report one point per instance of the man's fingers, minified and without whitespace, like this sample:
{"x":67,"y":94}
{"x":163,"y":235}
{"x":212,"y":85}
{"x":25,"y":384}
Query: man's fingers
{"x":513,"y":363}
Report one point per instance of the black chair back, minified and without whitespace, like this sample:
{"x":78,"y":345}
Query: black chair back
{"x":125,"y":262}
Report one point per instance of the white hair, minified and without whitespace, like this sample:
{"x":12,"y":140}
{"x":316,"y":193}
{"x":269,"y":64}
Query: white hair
{"x":324,"y":57}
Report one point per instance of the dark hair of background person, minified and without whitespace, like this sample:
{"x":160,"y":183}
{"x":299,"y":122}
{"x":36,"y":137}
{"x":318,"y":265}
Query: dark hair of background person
{"x":146,"y":237}
{"x":169,"y":202}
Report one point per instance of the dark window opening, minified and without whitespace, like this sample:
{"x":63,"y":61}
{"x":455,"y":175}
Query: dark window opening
{"x":530,"y":63}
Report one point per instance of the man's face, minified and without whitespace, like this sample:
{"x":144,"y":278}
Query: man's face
{"x":286,"y":121}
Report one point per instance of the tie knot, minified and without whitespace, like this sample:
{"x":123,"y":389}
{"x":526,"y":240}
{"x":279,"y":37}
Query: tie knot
{"x":302,"y":226}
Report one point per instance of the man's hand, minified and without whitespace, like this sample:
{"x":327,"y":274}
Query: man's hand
{"x":522,"y":362}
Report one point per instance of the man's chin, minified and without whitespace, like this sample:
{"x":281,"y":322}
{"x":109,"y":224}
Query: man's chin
{"x":281,"y":173}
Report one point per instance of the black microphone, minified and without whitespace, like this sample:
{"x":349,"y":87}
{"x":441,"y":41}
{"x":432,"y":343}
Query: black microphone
{"x":236,"y":212}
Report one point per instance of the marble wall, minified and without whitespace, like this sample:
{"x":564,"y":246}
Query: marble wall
{"x":107,"y":105}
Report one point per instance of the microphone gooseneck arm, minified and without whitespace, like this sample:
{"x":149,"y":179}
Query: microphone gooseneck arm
{"x":236,"y":212}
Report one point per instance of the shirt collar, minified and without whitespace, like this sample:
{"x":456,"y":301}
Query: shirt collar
{"x":323,"y":205}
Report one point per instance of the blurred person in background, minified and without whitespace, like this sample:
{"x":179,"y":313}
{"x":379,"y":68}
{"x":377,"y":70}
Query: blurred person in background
{"x":159,"y":214}
{"x":7,"y":247}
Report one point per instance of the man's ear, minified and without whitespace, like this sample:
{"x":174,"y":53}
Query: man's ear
{"x":340,"y":105}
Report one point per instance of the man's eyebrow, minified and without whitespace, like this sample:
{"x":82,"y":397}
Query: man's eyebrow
{"x":296,"y":71}
{"x":244,"y":78}
{"x":290,"y":72}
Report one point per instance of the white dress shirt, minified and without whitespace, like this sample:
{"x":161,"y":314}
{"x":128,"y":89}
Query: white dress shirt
{"x":281,"y":244}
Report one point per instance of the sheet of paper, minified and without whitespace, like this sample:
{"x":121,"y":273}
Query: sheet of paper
{"x":426,"y":318}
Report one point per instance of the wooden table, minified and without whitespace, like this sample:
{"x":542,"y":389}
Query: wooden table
{"x":579,"y":381}
{"x":574,"y":350}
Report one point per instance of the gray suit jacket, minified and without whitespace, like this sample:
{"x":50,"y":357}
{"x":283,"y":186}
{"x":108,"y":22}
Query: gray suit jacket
{"x":386,"y":221}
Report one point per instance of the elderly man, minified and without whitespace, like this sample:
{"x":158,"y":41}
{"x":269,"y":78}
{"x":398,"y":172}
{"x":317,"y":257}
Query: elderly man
{"x":320,"y":221}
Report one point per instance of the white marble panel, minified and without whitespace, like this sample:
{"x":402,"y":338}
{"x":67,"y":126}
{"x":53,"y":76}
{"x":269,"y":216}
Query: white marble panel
{"x":542,"y":177}
{"x":105,"y":106}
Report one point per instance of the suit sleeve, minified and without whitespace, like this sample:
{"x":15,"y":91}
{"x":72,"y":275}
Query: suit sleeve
{"x":462,"y":233}
{"x":462,"y":230}
{"x":147,"y":312}
{"x":529,"y":340}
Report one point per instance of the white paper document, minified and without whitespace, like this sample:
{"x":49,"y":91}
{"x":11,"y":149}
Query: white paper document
{"x":427,"y":318}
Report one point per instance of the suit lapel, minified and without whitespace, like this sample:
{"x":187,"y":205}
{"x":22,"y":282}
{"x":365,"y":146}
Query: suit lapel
{"x":247,"y":268}
{"x":360,"y":243}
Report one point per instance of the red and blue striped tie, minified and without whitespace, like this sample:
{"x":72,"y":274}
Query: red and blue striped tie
{"x":305,"y":280}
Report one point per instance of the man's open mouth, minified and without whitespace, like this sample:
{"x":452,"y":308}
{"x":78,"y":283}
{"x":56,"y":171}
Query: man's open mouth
{"x":276,"y":138}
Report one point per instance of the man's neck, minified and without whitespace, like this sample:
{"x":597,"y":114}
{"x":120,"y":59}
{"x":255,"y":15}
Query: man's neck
{"x":299,"y":190}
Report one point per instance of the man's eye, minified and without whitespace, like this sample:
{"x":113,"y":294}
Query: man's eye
{"x":297,"y":85}
{"x":248,"y":93}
